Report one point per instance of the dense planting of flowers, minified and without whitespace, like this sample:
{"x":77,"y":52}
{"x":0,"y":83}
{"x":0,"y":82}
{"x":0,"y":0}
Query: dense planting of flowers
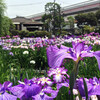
{"x":35,"y":88}
{"x":49,"y":86}
{"x":16,"y":42}
{"x":43,"y":89}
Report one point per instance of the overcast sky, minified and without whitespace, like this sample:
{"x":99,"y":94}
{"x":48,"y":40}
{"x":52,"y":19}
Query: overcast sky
{"x":30,"y":7}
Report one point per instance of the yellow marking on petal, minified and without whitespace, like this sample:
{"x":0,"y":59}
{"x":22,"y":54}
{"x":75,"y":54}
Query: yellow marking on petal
{"x":44,"y":79}
{"x":1,"y":93}
{"x":29,"y":84}
{"x":59,"y":71}
{"x":68,"y":51}
{"x":58,"y":75}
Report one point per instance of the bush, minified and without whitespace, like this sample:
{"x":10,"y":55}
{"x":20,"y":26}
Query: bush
{"x":30,"y":34}
{"x":23,"y":33}
{"x":15,"y":32}
{"x":88,"y":29}
{"x":78,"y":32}
{"x":97,"y":29}
{"x":62,"y":33}
{"x":41,"y":34}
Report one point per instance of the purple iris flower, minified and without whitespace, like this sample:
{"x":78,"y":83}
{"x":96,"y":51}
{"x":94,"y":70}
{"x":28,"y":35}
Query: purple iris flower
{"x":96,"y":86}
{"x":59,"y":85}
{"x":59,"y":77}
{"x":80,"y":87}
{"x":58,"y":74}
{"x":43,"y":94}
{"x":26,"y":89}
{"x":56,"y":55}
{"x":3,"y":94}
{"x":93,"y":87}
{"x":45,"y":81}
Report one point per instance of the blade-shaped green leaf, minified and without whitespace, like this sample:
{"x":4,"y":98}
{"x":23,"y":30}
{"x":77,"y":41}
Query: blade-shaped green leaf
{"x":71,"y":83}
{"x":85,"y":88}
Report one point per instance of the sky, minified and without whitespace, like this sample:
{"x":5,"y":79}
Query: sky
{"x":30,"y":7}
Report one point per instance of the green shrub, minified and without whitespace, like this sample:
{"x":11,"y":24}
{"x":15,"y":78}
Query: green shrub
{"x":78,"y":31}
{"x":97,"y":29}
{"x":30,"y":34}
{"x":62,"y":33}
{"x":41,"y":34}
{"x":88,"y":29}
{"x":23,"y":33}
{"x":19,"y":33}
{"x":15,"y":32}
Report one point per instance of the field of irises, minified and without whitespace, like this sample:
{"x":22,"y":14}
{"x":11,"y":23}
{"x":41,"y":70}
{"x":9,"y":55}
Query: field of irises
{"x":60,"y":68}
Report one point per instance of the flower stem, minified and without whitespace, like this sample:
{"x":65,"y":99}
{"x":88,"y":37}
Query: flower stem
{"x":73,"y":76}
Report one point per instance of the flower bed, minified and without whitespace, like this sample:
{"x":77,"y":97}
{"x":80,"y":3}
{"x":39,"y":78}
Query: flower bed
{"x":24,"y":66}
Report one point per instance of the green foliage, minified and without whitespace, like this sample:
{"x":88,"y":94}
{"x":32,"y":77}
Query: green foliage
{"x":42,"y":34}
{"x":53,"y":19}
{"x":51,"y":6}
{"x":23,"y":33}
{"x":88,"y":29}
{"x":46,"y":19}
{"x":11,"y":67}
{"x":2,"y":10}
{"x":12,"y":26}
{"x":97,"y":29}
{"x":81,"y":19}
{"x":62,"y":33}
{"x":63,"y":94}
{"x":98,"y":16}
{"x":30,"y":34}
{"x":86,"y":19}
{"x":7,"y":26}
{"x":91,"y":19}
{"x":70,"y":22}
{"x":78,"y":31}
{"x":40,"y":58}
{"x":15,"y":32}
{"x":86,"y":89}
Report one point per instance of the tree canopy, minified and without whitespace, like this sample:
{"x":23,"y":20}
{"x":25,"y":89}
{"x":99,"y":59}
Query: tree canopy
{"x":7,"y":26}
{"x":98,"y":16}
{"x":70,"y":22}
{"x":52,"y":18}
{"x":86,"y":19}
{"x":2,"y":10}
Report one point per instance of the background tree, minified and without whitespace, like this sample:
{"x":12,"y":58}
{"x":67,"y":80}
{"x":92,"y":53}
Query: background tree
{"x":97,"y":29}
{"x":2,"y":10}
{"x":86,"y":19}
{"x":81,"y":19}
{"x":88,"y":29}
{"x":98,"y":16}
{"x":53,"y":20}
{"x":46,"y":19}
{"x":7,"y":26}
{"x":71,"y":22}
{"x":91,"y":19}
